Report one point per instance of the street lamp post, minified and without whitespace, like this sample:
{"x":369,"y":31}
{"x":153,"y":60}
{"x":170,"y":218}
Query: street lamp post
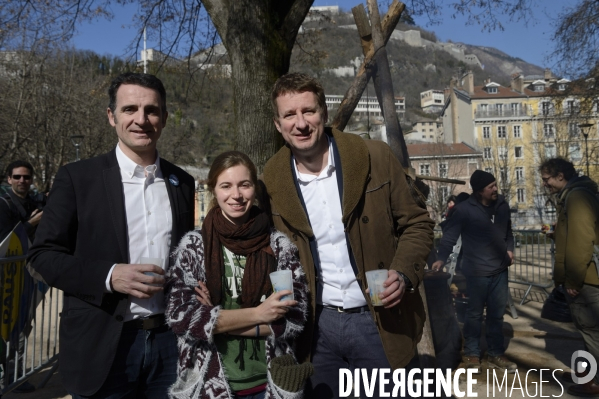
{"x":76,"y":139}
{"x":585,"y":128}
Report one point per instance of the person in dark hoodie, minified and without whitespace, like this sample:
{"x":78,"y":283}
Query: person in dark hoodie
{"x":576,"y":233}
{"x":484,"y":223}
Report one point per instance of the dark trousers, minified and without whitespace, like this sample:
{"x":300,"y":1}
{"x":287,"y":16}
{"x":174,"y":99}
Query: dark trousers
{"x":343,"y":340}
{"x":492,"y":292}
{"x":585,"y":313}
{"x":145,"y":366}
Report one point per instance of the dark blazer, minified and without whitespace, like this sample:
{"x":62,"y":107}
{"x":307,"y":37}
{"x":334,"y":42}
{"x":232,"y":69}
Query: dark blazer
{"x":82,"y":234}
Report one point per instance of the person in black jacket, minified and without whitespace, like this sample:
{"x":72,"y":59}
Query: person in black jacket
{"x":484,"y":223}
{"x":17,"y":205}
{"x":108,"y":230}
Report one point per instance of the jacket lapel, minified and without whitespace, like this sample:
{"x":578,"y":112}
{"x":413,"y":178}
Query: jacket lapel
{"x":355,"y":169}
{"x":173,"y":194}
{"x":116,"y":202}
{"x":281,"y":186}
{"x":281,"y":189}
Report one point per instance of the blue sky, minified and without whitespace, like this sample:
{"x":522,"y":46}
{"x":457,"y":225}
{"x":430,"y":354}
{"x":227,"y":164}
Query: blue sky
{"x":530,"y":41}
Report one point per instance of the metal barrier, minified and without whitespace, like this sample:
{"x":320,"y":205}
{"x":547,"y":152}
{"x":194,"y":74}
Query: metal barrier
{"x":29,"y":324}
{"x":534,"y":258}
{"x":534,"y":255}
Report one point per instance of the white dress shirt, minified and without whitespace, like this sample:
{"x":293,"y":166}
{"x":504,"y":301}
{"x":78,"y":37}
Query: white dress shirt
{"x":337,"y":284}
{"x":149,"y":225}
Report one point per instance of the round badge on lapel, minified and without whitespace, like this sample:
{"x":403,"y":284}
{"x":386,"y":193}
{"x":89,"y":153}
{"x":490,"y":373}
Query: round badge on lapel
{"x":174,"y":180}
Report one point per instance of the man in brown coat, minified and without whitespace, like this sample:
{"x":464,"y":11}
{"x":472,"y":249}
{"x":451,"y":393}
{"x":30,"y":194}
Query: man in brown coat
{"x":346,"y":204}
{"x":576,"y":234}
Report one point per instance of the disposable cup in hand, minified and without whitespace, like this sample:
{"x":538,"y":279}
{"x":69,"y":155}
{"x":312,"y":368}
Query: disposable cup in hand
{"x":375,"y":279}
{"x":282,"y":281}
{"x":152,"y":261}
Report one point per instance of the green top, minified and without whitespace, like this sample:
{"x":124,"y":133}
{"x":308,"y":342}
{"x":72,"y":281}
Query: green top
{"x":243,"y":358}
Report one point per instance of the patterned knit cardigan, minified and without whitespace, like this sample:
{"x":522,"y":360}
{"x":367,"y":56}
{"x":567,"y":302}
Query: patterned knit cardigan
{"x":200,"y":372}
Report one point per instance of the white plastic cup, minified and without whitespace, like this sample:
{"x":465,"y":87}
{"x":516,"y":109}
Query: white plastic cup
{"x":282,"y":280}
{"x":375,"y":279}
{"x":152,"y":261}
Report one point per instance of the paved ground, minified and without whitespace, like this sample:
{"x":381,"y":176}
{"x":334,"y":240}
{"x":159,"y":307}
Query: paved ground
{"x":532,"y":342}
{"x":52,"y":390}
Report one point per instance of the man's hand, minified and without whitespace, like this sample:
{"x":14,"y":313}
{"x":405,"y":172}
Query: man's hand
{"x":394,"y":290}
{"x":572,"y":292}
{"x":511,"y":255}
{"x":438,"y":265}
{"x":35,"y":217}
{"x":131,"y":280}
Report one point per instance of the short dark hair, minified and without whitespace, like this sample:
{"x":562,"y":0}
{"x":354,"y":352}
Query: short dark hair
{"x":555,"y":166}
{"x":297,"y":83}
{"x":139,"y":79}
{"x":18,"y":164}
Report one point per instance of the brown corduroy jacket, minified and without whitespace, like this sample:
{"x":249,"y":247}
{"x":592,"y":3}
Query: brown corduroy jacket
{"x":576,"y":232}
{"x":386,"y":229}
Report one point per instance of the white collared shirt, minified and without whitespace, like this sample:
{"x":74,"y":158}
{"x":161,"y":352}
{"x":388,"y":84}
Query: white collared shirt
{"x":149,"y":224}
{"x":337,"y":284}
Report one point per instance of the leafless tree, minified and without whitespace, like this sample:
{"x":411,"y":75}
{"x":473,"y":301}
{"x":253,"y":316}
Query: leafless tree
{"x":46,"y":100}
{"x":258,"y":36}
{"x":577,"y":40}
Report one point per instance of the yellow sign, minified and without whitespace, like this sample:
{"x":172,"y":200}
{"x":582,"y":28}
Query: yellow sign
{"x":12,"y":280}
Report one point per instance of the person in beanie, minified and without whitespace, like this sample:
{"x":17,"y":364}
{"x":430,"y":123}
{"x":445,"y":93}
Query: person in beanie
{"x":484,"y":223}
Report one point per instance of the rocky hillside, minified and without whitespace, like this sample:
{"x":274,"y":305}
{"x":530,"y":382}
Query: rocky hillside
{"x":330,"y":48}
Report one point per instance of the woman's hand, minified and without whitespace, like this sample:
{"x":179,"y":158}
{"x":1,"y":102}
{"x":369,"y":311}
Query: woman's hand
{"x":203,"y":294}
{"x":273,"y":308}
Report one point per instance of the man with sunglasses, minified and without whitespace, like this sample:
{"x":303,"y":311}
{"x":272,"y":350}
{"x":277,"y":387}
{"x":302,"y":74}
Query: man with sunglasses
{"x":17,"y":205}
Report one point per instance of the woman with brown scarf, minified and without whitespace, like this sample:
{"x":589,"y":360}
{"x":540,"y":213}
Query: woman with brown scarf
{"x":230,"y":327}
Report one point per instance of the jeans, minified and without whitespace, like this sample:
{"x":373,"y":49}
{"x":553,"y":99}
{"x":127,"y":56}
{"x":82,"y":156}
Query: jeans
{"x":491,"y":291}
{"x":145,"y":366}
{"x":259,"y":395}
{"x":585,"y":313}
{"x":343,"y":340}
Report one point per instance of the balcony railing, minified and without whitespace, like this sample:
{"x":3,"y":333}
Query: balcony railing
{"x":490,"y":113}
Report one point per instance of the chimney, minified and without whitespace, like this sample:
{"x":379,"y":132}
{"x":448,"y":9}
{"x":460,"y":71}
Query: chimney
{"x":454,"y":109}
{"x":446,"y":93}
{"x":548,"y":74}
{"x":468,"y":84}
{"x":518,"y":82}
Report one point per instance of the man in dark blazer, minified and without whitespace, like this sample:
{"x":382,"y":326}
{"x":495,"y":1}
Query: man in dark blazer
{"x":102,"y":217}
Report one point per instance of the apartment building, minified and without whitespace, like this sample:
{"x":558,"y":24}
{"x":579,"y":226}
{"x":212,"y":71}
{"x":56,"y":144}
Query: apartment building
{"x":425,"y":130}
{"x":367,"y":106}
{"x":449,"y":161}
{"x":431,"y":101}
{"x":519,"y":126}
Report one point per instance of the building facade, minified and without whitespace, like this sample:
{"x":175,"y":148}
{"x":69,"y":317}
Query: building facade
{"x":426,"y":130}
{"x":444,"y":161}
{"x":431,"y":101}
{"x":367,"y":106}
{"x":518,"y":127}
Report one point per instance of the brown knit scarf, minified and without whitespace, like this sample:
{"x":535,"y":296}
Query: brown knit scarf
{"x":252,"y":240}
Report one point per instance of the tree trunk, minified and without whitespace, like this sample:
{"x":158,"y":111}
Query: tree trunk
{"x":258,"y":57}
{"x":259,"y":37}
